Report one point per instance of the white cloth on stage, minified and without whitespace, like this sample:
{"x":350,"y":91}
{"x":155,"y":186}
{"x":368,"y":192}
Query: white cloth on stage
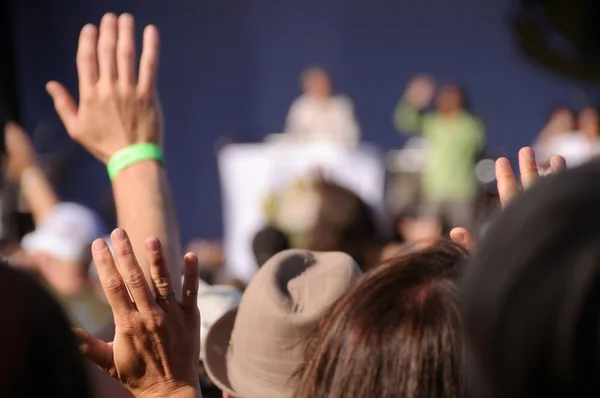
{"x":250,"y":172}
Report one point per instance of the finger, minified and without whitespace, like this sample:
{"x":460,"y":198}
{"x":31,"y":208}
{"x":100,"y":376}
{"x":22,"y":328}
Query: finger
{"x":558,"y":163}
{"x":111,"y":281}
{"x":107,"y":46}
{"x":191,"y":280}
{"x":126,"y":51}
{"x":131,"y":272}
{"x":149,"y":61}
{"x":161,"y":278}
{"x":507,"y":183}
{"x":96,"y":350}
{"x":528,"y":167}
{"x":463,"y":237}
{"x":87,"y":59}
{"x":64,"y":105}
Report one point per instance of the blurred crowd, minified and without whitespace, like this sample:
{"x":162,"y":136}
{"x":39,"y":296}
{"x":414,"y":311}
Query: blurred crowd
{"x":467,"y":289}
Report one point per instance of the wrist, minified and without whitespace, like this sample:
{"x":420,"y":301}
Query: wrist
{"x":131,"y":155}
{"x":141,"y":170}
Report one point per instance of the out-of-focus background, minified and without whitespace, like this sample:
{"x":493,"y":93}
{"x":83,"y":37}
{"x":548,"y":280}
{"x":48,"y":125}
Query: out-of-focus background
{"x":231,"y":69}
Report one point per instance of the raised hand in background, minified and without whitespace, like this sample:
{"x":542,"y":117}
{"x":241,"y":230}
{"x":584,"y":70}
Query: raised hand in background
{"x":508,"y":188}
{"x":420,"y":91}
{"x":156,"y":347}
{"x":117,"y":106}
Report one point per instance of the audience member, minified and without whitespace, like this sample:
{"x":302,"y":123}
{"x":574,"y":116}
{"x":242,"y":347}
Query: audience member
{"x":254,"y":349}
{"x":319,"y":115}
{"x":60,"y":251}
{"x":454,"y":138}
{"x":395,"y":333}
{"x":119,"y":121}
{"x":40,"y":356}
{"x":577,"y":147}
{"x":267,"y":242}
{"x":560,"y":122}
{"x":531,"y":296}
{"x":344,"y":223}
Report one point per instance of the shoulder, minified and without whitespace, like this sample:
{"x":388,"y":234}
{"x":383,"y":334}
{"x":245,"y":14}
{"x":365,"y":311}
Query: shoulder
{"x":299,"y":104}
{"x":343,"y":102}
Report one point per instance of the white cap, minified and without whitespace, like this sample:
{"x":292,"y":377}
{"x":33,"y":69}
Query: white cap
{"x":66,"y":233}
{"x":213,"y":302}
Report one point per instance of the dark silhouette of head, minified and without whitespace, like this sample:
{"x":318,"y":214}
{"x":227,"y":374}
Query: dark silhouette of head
{"x":39,"y":353}
{"x":532,"y":294}
{"x":395,"y":333}
{"x":267,"y":242}
{"x":344,"y":223}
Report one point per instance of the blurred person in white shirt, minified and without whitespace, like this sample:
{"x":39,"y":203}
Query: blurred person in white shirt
{"x":318,"y":115}
{"x":577,"y":147}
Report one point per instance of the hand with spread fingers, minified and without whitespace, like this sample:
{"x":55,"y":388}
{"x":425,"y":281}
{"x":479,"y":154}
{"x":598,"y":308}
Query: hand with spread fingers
{"x":155,"y":352}
{"x":508,"y":188}
{"x":117,"y":106}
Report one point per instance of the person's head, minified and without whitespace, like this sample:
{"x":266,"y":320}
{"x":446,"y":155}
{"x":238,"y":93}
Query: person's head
{"x":40,"y":354}
{"x":532,"y":294}
{"x":267,"y":242}
{"x":395,"y":333}
{"x":254,"y":349}
{"x":344,"y":223}
{"x":450,"y":98}
{"x":316,"y":82}
{"x":561,"y":119}
{"x":588,"y":122}
{"x":60,"y":245}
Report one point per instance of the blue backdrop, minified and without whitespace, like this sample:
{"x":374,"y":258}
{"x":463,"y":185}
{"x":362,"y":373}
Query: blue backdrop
{"x":230,"y":68}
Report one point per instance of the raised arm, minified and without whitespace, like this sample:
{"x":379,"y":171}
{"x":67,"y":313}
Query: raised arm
{"x":119,"y":108}
{"x":418,"y":95}
{"x":24,"y":169}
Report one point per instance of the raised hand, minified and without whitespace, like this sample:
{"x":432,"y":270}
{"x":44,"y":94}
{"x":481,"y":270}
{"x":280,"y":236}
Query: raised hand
{"x":420,"y":91}
{"x":508,"y":188}
{"x":155,"y":352}
{"x":117,"y":107}
{"x":19,"y":149}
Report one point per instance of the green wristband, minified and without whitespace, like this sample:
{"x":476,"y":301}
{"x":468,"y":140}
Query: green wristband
{"x":131,"y":155}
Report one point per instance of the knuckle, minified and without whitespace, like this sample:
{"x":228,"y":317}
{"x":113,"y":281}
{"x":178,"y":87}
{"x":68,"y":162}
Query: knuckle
{"x":161,"y":283}
{"x":107,"y":46}
{"x":128,"y":325}
{"x":135,"y":279}
{"x":113,"y":284}
{"x":126,"y":51}
{"x":156,"y":322}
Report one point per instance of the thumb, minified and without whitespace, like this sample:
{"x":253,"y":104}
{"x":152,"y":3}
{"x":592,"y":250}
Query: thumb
{"x":463,"y":237}
{"x":96,"y":350}
{"x":64,"y":105}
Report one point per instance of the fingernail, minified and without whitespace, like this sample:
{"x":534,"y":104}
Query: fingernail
{"x":503,"y":162}
{"x":527,"y":152}
{"x":99,"y":244}
{"x":119,"y":235}
{"x":152,"y":244}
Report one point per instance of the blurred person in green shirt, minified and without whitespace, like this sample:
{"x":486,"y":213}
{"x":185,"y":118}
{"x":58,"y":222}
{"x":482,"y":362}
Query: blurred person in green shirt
{"x":454,"y":137}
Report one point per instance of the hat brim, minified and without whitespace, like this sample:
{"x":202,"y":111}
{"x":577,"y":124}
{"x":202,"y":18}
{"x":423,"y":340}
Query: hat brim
{"x":216,"y":347}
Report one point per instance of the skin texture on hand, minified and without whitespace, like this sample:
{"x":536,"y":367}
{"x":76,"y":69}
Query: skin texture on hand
{"x":119,"y":108}
{"x":155,"y":351}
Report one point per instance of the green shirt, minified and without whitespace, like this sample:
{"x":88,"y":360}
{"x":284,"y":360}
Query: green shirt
{"x":453,"y":145}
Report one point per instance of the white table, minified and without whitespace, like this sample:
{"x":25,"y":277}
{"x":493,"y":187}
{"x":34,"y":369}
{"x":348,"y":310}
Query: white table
{"x":249,"y":172}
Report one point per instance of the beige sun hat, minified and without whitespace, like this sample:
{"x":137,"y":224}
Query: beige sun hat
{"x":253,"y":350}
